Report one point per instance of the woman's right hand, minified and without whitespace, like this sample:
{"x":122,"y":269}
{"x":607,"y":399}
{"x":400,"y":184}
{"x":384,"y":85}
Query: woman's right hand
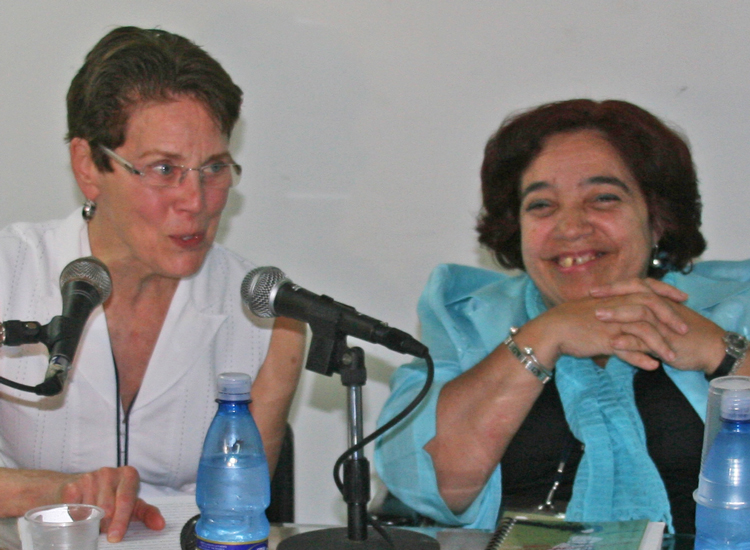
{"x":115,"y":490}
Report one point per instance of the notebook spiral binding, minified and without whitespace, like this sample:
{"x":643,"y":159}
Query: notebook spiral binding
{"x":506,"y":524}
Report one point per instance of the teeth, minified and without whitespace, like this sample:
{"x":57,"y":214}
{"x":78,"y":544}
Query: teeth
{"x":570,"y":261}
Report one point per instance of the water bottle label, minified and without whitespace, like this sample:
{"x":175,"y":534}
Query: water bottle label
{"x":203,"y":544}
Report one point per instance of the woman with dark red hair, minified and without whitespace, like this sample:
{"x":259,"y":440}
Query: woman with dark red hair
{"x":581,"y":382}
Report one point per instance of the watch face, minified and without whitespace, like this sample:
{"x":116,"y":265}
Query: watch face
{"x":736,"y":343}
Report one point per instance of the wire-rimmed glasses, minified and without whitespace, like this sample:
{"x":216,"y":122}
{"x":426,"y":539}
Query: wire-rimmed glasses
{"x":214,"y":175}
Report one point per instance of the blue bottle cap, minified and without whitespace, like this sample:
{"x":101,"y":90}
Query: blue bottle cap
{"x":234,"y":386}
{"x":735,"y":405}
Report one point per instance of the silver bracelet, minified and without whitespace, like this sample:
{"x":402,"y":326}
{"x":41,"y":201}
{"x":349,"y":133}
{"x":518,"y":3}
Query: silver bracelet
{"x":527,"y":358}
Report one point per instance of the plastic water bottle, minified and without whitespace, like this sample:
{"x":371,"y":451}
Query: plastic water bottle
{"x":722,"y":518}
{"x":233,"y":488}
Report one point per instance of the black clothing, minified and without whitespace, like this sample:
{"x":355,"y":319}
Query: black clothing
{"x":674,"y":436}
{"x":530,"y":461}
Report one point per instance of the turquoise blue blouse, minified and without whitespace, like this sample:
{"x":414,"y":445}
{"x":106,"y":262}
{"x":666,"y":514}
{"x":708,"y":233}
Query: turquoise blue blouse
{"x":466,"y":313}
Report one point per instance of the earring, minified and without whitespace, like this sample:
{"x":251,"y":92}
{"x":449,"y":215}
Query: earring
{"x":88,"y":211}
{"x":656,"y":262}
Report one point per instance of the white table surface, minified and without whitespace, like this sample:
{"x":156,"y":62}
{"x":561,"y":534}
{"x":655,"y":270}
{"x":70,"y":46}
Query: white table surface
{"x":177,"y":510}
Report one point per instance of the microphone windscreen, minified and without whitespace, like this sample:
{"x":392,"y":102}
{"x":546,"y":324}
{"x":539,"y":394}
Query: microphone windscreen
{"x":258,"y":286}
{"x":90,"y":270}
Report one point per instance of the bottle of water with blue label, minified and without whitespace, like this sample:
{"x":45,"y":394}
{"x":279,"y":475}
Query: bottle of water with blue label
{"x":722,"y":516}
{"x":233,"y":487}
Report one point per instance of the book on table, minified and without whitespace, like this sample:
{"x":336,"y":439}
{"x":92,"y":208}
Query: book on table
{"x":540,"y":532}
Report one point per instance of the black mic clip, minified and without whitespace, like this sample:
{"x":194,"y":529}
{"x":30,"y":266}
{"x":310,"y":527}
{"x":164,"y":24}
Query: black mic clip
{"x":85,"y":283}
{"x":60,"y":327}
{"x":328,"y":346}
{"x":18,"y":333}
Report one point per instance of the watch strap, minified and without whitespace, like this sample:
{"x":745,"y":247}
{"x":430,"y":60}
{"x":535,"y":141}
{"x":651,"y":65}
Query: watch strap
{"x":736,"y":349}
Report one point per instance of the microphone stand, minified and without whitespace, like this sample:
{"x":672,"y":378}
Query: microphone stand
{"x":330,"y":353}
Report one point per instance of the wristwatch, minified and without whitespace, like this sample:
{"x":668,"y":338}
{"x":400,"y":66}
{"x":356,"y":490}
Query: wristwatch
{"x":735,"y":351}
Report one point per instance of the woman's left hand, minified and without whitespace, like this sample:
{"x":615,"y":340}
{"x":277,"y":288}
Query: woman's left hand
{"x":697,"y":341}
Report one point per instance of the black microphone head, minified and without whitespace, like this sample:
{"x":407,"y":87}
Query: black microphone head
{"x":90,"y":270}
{"x":259,"y":289}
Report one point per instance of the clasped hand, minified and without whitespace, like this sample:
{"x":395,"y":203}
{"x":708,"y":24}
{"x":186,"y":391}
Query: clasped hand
{"x":116,"y":491}
{"x":641,"y":321}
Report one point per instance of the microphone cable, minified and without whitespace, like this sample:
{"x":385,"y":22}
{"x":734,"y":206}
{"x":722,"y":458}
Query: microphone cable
{"x":18,"y":385}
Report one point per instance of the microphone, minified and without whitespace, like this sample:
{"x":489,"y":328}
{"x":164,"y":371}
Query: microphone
{"x":268,"y":293}
{"x":84,"y":283}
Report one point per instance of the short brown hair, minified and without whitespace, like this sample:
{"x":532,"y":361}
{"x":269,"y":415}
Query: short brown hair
{"x":657,"y":156}
{"x":131,"y":66}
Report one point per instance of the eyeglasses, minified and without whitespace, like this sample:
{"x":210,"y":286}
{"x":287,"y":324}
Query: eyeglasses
{"x":215,"y":175}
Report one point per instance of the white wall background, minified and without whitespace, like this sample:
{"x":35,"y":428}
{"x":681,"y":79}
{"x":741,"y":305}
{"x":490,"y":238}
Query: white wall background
{"x":363,"y":131}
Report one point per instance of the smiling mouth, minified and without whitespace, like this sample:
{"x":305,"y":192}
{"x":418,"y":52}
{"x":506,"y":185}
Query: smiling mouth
{"x":566,"y":261}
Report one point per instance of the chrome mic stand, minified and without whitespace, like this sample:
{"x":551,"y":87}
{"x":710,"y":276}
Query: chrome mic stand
{"x":330,"y":353}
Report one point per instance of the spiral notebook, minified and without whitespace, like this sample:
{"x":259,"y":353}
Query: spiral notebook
{"x":529,"y":532}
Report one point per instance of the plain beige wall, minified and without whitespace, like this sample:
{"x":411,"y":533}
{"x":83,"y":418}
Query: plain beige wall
{"x":363,"y":131}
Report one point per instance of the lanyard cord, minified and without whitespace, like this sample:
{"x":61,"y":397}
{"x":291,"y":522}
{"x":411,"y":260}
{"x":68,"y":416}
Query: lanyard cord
{"x":570,"y":443}
{"x":117,"y":413}
{"x":122,"y":450}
